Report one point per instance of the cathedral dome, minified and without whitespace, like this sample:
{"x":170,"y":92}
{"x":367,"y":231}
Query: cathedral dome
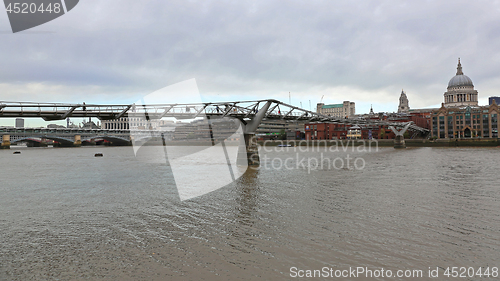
{"x":460,"y":91}
{"x":460,"y":79}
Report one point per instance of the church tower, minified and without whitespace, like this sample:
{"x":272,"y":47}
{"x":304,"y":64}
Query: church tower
{"x":404,"y":104}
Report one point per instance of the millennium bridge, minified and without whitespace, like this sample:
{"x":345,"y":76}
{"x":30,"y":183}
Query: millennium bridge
{"x":250,"y":113}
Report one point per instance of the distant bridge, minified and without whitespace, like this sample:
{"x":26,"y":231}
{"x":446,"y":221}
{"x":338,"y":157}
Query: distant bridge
{"x":66,"y":136}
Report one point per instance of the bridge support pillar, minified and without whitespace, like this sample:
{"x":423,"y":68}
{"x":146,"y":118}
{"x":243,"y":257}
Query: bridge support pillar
{"x":399,"y":140}
{"x":248,"y":151}
{"x":78,"y":141}
{"x":5,"y":142}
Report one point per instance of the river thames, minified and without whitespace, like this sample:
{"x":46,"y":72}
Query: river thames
{"x":67,"y":215}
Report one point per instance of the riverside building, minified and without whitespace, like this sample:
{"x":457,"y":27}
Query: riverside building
{"x":460,"y":116}
{"x":342,"y":110}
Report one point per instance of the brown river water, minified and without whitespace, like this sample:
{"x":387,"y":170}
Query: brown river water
{"x":67,"y":215}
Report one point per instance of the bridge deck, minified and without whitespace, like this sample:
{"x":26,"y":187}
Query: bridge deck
{"x":243,"y":110}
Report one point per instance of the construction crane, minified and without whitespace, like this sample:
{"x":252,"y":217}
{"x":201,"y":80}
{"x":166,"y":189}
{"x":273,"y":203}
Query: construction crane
{"x":321,"y":99}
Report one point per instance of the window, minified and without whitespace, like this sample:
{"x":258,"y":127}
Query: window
{"x":494,"y":125}
{"x":486,"y":126}
{"x":441,"y":127}
{"x":450,"y":126}
{"x":434,"y":126}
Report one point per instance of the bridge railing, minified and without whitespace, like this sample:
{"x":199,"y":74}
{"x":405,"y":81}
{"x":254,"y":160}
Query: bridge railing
{"x":59,"y":111}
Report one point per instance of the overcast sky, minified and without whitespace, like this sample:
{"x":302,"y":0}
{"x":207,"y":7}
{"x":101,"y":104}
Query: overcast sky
{"x":363,"y":51}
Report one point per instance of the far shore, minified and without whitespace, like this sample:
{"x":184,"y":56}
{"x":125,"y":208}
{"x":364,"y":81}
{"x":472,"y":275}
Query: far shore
{"x":473,"y":142}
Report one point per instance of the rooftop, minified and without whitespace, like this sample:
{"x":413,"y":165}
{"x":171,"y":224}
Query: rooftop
{"x":460,"y":79}
{"x":332,"y":106}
